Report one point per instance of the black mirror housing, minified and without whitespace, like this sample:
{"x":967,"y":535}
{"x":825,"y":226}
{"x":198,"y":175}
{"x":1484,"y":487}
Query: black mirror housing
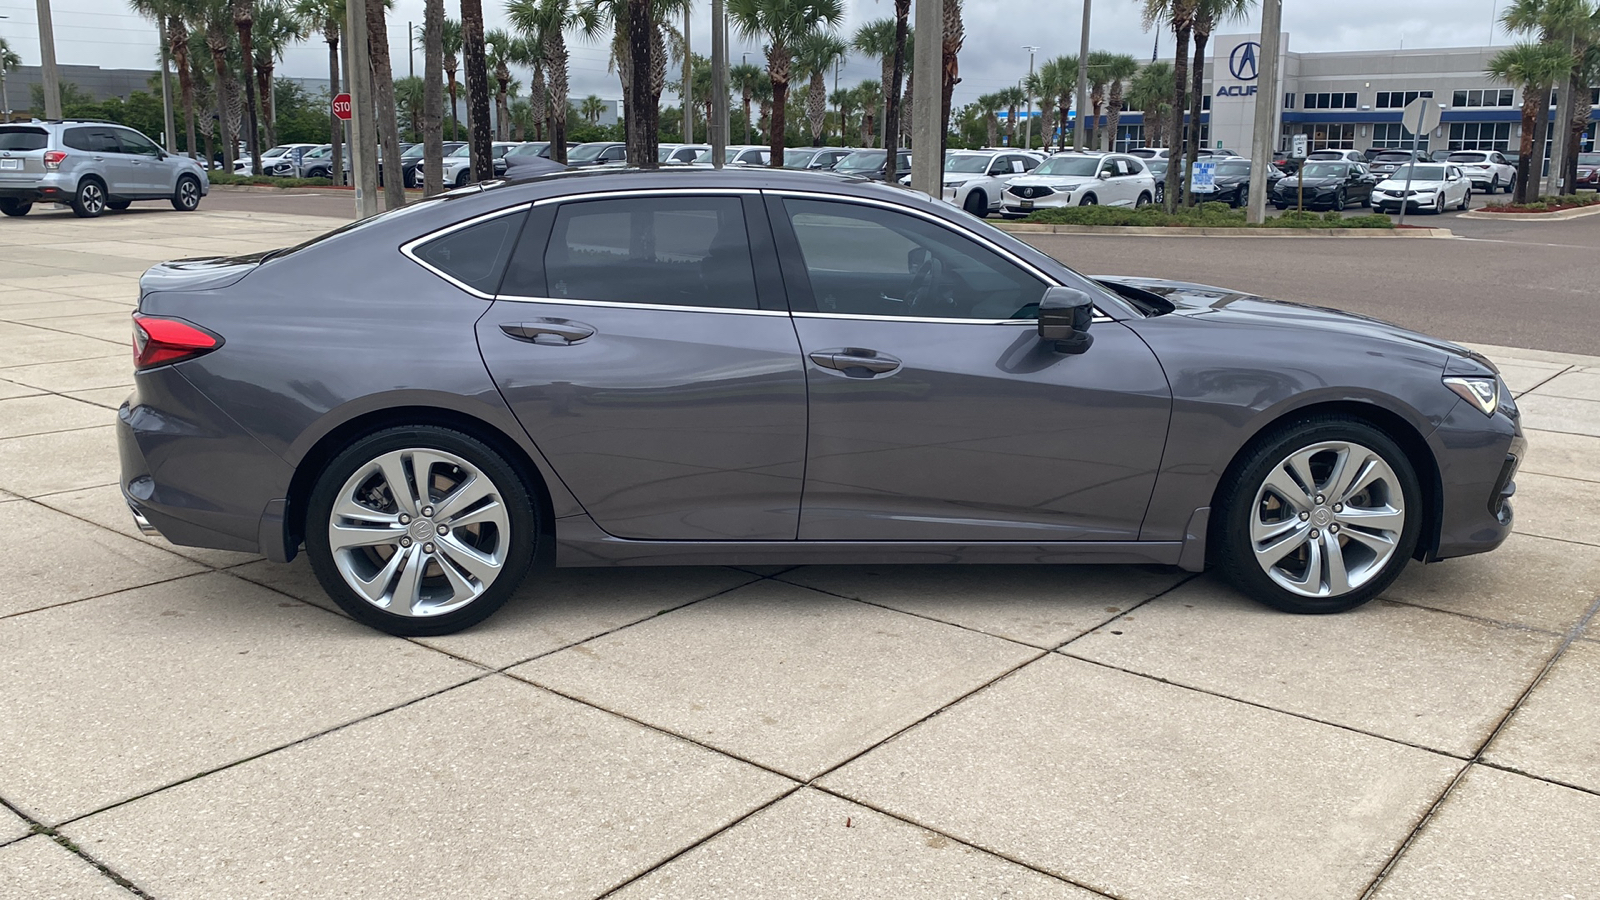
{"x":1064,"y":317}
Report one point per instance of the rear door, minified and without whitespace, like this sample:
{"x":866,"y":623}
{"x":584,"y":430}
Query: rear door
{"x":644,"y":343}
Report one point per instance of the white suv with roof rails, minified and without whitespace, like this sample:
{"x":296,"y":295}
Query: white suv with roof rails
{"x":1081,"y":179}
{"x":92,"y":167}
{"x":976,"y":180}
{"x":1489,"y":170}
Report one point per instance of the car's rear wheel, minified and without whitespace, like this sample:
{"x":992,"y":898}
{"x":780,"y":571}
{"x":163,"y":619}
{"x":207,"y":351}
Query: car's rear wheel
{"x":420,"y":530}
{"x":977,"y":203}
{"x":1494,"y":186}
{"x":90,"y":199}
{"x":186,"y":196}
{"x":1320,"y":517}
{"x":118,"y":205}
{"x":461,"y":180}
{"x":13,"y":207}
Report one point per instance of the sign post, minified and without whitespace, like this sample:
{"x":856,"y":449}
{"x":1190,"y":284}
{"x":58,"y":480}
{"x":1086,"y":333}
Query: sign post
{"x":1425,"y":114}
{"x":341,"y":107}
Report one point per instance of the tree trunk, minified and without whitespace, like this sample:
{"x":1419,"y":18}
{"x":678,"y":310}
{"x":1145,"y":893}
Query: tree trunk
{"x":1541,"y":143}
{"x":658,"y":81}
{"x":477,"y":70}
{"x":243,"y":12}
{"x":641,"y":122}
{"x":1576,"y":126}
{"x":394,"y":189}
{"x":264,"y":72}
{"x":178,"y":38}
{"x":778,"y":68}
{"x":817,"y":106}
{"x":883,"y":106}
{"x":905,"y":115}
{"x":1530,"y":119}
{"x":450,"y":80}
{"x":555,"y":63}
{"x":1180,"y":79}
{"x":747,"y":116}
{"x":218,"y":44}
{"x":539,"y":101}
{"x":335,"y":124}
{"x":891,"y":124}
{"x":1196,"y":107}
{"x":502,"y":109}
{"x":1114,"y":114}
{"x":994,"y":129}
{"x":955,"y":35}
{"x":432,"y":97}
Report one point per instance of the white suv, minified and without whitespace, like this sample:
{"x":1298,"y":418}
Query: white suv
{"x":1489,"y":170}
{"x":1081,"y":179}
{"x":976,"y":180}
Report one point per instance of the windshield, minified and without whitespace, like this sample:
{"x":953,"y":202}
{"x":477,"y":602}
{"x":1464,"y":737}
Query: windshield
{"x":797,"y":159}
{"x":967,"y":163}
{"x":1468,"y":157}
{"x":1589,"y":159}
{"x":275,"y":151}
{"x":412,"y":152}
{"x":1393,"y":157}
{"x":463,"y":150}
{"x":1234,"y":168}
{"x":586,"y":151}
{"x":1069,"y":165}
{"x":529,"y":149}
{"x":1324,"y":170}
{"x":319,"y":152}
{"x":1418,"y":173}
{"x":1326,"y":154}
{"x":23,"y":138}
{"x":862,"y":161}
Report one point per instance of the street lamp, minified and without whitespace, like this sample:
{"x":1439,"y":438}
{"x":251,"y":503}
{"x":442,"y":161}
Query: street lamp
{"x":1027,"y":88}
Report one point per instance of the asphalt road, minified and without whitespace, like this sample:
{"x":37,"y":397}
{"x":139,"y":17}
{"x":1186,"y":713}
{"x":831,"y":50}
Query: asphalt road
{"x":1518,"y":284}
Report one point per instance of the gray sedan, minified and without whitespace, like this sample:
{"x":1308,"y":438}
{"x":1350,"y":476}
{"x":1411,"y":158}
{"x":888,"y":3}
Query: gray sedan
{"x":753,"y":366}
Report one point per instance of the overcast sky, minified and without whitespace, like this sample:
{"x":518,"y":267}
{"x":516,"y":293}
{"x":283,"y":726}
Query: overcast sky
{"x":106,"y":33}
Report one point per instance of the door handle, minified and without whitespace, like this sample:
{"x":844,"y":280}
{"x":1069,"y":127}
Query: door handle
{"x":856,"y":362}
{"x":554,"y":332}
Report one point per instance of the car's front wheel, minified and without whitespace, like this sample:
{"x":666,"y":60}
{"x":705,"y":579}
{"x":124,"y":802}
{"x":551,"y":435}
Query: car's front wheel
{"x":977,"y":203}
{"x":1320,"y":517}
{"x":420,"y":530}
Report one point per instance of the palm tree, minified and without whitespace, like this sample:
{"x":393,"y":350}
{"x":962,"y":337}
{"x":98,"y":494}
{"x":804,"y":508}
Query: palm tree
{"x":869,"y":97}
{"x":216,"y":16}
{"x":783,"y":24}
{"x":450,"y":43}
{"x":815,"y":56}
{"x":1572,"y":25}
{"x":276,"y":28}
{"x":327,"y":16}
{"x":476,"y":65}
{"x":408,"y":98}
{"x":876,"y":39}
{"x":1012,"y":99}
{"x":1179,"y":15}
{"x":955,"y":35}
{"x":544,"y":23}
{"x":1150,"y":92}
{"x":1588,"y":69}
{"x":988,"y":106}
{"x":592,"y":108}
{"x":10,"y":61}
{"x":394,"y":189}
{"x":892,"y":103}
{"x":743,"y":78}
{"x":170,"y":15}
{"x":432,"y":97}
{"x":1534,"y":68}
{"x":244,"y":20}
{"x":1119,"y":67}
{"x":500,"y":53}
{"x":1051,"y":82}
{"x":904,"y":107}
{"x":1207,"y":15}
{"x":1098,"y":61}
{"x":844,"y":103}
{"x":639,"y":63}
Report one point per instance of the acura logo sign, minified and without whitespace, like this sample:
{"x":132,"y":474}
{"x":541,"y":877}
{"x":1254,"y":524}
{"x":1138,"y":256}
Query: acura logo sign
{"x":1245,"y":62}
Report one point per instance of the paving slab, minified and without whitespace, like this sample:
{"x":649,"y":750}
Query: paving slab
{"x":66,"y":306}
{"x":1147,"y":790}
{"x":52,"y":558}
{"x":780,"y":675}
{"x":496,"y":789}
{"x":110,"y":327}
{"x":1558,"y":414}
{"x":1410,"y":674}
{"x":1500,"y":834}
{"x":27,"y":345}
{"x":811,"y":845}
{"x":120,"y":695}
{"x":12,"y":827}
{"x":105,"y":507}
{"x":110,"y":398}
{"x":1562,"y":508}
{"x":47,"y":413}
{"x":1576,"y":385}
{"x":39,"y":868}
{"x":1562,"y":455}
{"x":1043,"y":606}
{"x":1555,"y":734}
{"x":66,"y":461}
{"x":1524,"y":375}
{"x":1533,"y":581}
{"x":10,"y":390}
{"x":76,"y":375}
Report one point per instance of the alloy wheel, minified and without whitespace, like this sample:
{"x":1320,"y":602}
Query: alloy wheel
{"x":1327,"y":519}
{"x":419,"y":532}
{"x":188,"y":193}
{"x":91,"y":199}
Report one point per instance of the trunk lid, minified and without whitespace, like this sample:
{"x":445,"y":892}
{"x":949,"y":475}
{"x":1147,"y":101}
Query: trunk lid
{"x":22,"y":150}
{"x":200,"y":274}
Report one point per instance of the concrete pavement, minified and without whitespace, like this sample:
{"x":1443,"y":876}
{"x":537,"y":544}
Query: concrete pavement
{"x":182,"y":723}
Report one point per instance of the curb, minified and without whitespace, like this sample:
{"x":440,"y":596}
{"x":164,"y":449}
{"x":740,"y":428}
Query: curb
{"x":1558,"y":216}
{"x":1152,"y":231}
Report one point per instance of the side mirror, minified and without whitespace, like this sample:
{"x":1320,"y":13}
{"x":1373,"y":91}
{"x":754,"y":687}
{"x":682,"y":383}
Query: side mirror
{"x":1104,"y":175}
{"x":1064,"y":316}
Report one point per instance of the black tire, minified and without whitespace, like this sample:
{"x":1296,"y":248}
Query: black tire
{"x":1466,"y":201}
{"x":118,"y":205}
{"x":977,"y":203}
{"x":1143,"y":201}
{"x":1089,"y":200}
{"x":1161,"y":190}
{"x":14,"y":208}
{"x":90,"y":198}
{"x":1279,"y":206}
{"x":1233,"y":547}
{"x":1340,"y":201}
{"x":461,"y":180}
{"x":186,"y":196}
{"x":1494,"y":186}
{"x":519,"y":544}
{"x":1438,"y":203}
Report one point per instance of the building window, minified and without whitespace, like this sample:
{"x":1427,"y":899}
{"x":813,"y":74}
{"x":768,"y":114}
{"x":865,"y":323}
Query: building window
{"x":1489,"y":97}
{"x":1321,"y":136}
{"x":1480,"y":135}
{"x":1205,"y":102}
{"x":1288,"y":101}
{"x":1398,"y":99}
{"x":1331,"y":101}
{"x":1394,"y":136}
{"x":1129,"y":137}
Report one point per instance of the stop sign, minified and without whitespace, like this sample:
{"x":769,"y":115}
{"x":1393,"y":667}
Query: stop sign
{"x":341,"y":106}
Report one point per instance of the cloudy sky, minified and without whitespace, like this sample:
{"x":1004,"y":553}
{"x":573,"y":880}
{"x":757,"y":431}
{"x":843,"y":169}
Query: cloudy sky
{"x":106,"y":33}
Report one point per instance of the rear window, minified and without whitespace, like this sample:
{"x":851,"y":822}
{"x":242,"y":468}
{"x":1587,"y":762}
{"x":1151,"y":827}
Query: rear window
{"x":475,"y":255}
{"x":1467,"y":157}
{"x":13,"y":138}
{"x":1394,"y":157}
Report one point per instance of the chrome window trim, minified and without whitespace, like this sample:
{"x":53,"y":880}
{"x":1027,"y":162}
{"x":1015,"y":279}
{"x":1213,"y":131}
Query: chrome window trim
{"x":409,"y":248}
{"x":649,"y":192}
{"x":621,"y":304}
{"x":1031,"y":323}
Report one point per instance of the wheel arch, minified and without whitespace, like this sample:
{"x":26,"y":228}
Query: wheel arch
{"x":322,"y":452}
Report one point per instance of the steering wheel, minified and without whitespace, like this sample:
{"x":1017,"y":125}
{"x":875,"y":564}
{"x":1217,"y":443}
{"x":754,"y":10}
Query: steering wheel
{"x":923,"y":293}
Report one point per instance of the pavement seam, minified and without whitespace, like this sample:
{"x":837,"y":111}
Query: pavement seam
{"x":35,"y":827}
{"x":1482,"y":620}
{"x":1552,"y":377}
{"x":1573,"y":634}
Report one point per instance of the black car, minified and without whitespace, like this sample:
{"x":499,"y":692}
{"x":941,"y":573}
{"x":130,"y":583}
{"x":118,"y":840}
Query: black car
{"x":1384,"y":164}
{"x":1332,"y":185}
{"x":1232,"y":182}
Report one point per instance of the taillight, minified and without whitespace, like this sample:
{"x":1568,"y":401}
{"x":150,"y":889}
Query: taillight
{"x":157,"y":342}
{"x":53,"y":158}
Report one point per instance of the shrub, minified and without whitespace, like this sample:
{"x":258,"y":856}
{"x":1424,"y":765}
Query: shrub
{"x":1547,"y":204}
{"x":227,"y":178}
{"x":1206,"y":215}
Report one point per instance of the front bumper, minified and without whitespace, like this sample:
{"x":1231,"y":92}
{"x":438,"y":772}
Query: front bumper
{"x":1478,"y":460}
{"x":1021,"y":206}
{"x":1315,"y":197}
{"x":1388,"y":203}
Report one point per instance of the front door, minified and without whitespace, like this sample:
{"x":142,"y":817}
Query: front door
{"x":643,"y":343}
{"x":153,"y":175}
{"x":937,"y":413}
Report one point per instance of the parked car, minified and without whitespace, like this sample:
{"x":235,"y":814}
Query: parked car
{"x":1489,"y":170}
{"x":1440,"y":155}
{"x":1434,"y":187}
{"x":597,"y":153}
{"x":458,"y":165}
{"x":288,"y":163}
{"x":1336,"y":156}
{"x":1218,"y":152}
{"x":679,"y":154}
{"x":1588,"y":172}
{"x":411,"y":161}
{"x":814,"y":158}
{"x":738,"y":155}
{"x":872,"y":163}
{"x":1386,"y":162}
{"x":599,"y":370}
{"x":1334,"y":185}
{"x":269,"y":158}
{"x":1232,"y":183}
{"x":1149,"y":152}
{"x":92,"y":167}
{"x":1285,"y":163}
{"x":1081,"y":179}
{"x":976,"y":180}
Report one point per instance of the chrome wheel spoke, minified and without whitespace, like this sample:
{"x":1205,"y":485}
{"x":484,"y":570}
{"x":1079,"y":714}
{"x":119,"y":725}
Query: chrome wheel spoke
{"x":1266,"y":531}
{"x":377,"y":587}
{"x":469,"y":493}
{"x":1309,"y":582}
{"x":1283,"y":484}
{"x":347,"y":537}
{"x":1380,"y":544}
{"x":1369,"y":472}
{"x":1334,"y":575}
{"x":394,"y":469}
{"x":408,"y":587}
{"x":1386,"y":519}
{"x":484,"y":568}
{"x":1271,"y":553}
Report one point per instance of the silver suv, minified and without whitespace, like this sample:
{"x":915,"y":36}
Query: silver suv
{"x":91,"y":166}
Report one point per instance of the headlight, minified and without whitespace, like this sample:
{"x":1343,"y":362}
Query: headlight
{"x":1068,"y":188}
{"x":1482,"y":391}
{"x":954,"y":184}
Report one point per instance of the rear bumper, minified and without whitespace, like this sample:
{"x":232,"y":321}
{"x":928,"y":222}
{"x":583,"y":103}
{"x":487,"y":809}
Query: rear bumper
{"x":49,"y":188}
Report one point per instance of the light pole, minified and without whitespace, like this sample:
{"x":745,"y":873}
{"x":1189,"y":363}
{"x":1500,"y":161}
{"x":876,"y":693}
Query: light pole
{"x":1264,"y":133}
{"x":1083,"y":80}
{"x":1027,"y":88}
{"x":717,"y":133}
{"x":5,"y":98}
{"x":47,"y":63}
{"x":927,"y":75}
{"x":688,"y":79}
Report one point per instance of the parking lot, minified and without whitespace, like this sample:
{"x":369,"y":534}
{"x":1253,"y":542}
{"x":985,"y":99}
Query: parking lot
{"x":183,"y":723}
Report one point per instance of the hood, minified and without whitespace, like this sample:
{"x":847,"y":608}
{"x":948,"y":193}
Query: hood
{"x":1050,"y":180}
{"x":1417,"y":184}
{"x":1319,"y":181}
{"x":1205,"y":302}
{"x":199,"y":274}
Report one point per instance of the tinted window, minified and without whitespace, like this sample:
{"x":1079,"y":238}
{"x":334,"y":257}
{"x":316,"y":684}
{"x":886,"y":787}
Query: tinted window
{"x":23,"y":138}
{"x":134,"y":142}
{"x":862,"y":260}
{"x":474,"y":255}
{"x":677,"y":251}
{"x":79,"y":139}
